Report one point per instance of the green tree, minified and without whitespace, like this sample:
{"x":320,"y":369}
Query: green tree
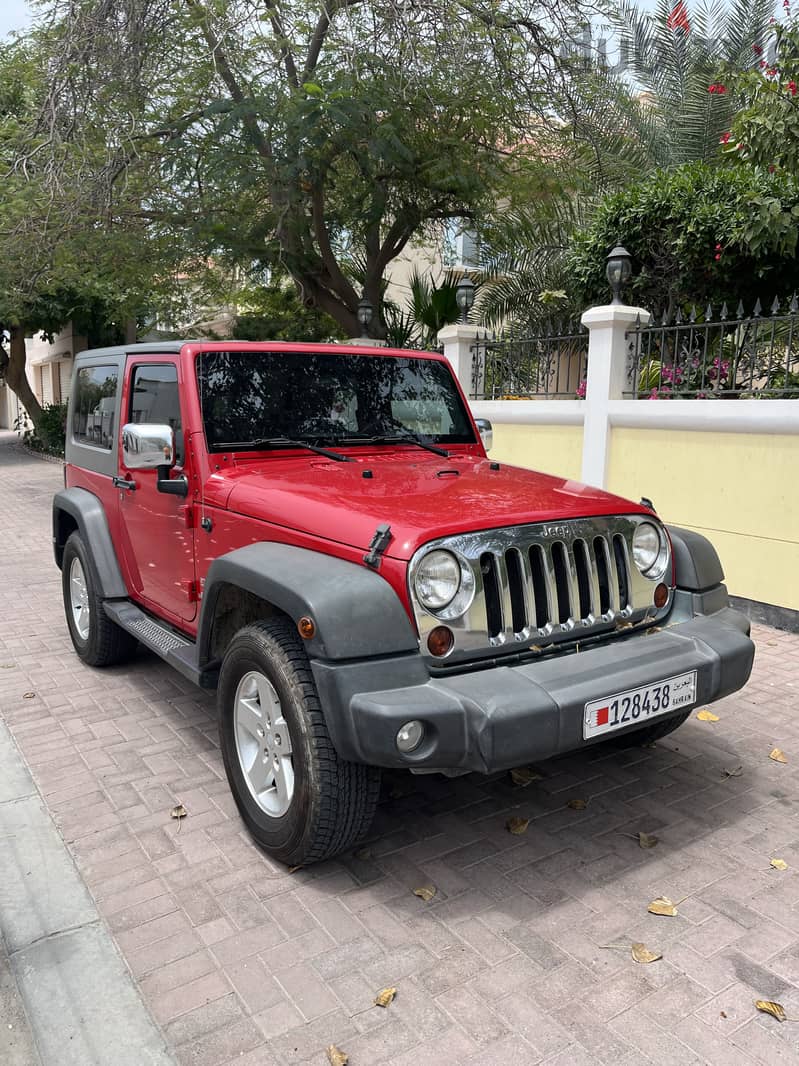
{"x":698,"y":234}
{"x":764,"y":132}
{"x":309,"y":133}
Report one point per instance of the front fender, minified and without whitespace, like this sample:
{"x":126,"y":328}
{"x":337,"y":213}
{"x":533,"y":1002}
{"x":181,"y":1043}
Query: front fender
{"x":88,"y":514}
{"x":356,"y":612}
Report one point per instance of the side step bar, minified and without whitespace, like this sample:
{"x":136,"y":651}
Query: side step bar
{"x":172,"y":647}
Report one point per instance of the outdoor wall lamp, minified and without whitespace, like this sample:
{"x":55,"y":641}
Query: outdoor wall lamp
{"x":464,"y":294}
{"x":619,"y":270}
{"x":365,"y":315}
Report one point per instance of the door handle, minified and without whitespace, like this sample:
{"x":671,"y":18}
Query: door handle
{"x":123,"y":483}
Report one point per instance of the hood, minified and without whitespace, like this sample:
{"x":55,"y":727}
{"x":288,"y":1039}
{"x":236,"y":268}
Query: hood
{"x":421,"y":497}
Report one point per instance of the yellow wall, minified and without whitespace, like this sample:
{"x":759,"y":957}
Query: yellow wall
{"x":741,"y":490}
{"x":552,"y":449}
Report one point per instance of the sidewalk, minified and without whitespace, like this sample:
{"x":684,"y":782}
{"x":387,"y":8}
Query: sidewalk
{"x":240,"y":962}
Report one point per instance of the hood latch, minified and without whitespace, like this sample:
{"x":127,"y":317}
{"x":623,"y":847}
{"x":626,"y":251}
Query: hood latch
{"x":380,"y":541}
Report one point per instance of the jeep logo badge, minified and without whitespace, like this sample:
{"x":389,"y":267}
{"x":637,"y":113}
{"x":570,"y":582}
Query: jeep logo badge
{"x":556,"y":531}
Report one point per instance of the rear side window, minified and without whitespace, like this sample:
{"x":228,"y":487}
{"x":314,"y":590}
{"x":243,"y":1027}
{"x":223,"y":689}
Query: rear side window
{"x":94,"y":406}
{"x":154,"y":400}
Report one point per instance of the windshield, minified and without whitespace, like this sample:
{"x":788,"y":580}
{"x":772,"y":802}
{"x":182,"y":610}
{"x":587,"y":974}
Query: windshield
{"x":248,"y":397}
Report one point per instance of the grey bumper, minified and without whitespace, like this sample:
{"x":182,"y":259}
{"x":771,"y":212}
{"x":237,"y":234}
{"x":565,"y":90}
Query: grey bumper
{"x":501,"y":717}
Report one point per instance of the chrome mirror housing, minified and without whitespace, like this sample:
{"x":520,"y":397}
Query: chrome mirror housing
{"x":145,"y":447}
{"x":486,"y":431}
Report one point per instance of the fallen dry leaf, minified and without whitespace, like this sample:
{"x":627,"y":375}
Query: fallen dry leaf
{"x":708,"y":716}
{"x":524,"y":776}
{"x":641,"y":953}
{"x":385,"y":996}
{"x":769,"y":1007}
{"x":363,"y":853}
{"x":293,"y":869}
{"x":29,"y":695}
{"x":337,"y":1057}
{"x":624,"y":625}
{"x":777,"y":755}
{"x":6,"y":666}
{"x":779,"y":864}
{"x":654,"y":629}
{"x":663,"y":905}
{"x":645,"y":840}
{"x":577,"y":804}
{"x":735,"y":772}
{"x":722,"y":1014}
{"x":517,"y":826}
{"x":426,"y":892}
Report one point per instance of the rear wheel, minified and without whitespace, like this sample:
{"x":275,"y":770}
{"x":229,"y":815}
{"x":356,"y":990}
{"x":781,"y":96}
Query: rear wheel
{"x":300,"y":801}
{"x":97,"y":640}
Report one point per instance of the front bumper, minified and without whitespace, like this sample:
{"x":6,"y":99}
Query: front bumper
{"x":497,"y":718}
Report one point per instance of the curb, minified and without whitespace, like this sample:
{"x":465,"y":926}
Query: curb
{"x":81,"y":1004}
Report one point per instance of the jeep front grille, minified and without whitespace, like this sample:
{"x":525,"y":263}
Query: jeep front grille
{"x":543,"y":584}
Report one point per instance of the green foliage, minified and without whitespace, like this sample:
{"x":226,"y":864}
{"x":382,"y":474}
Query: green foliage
{"x":275,"y":312}
{"x":697,"y":234}
{"x":765,"y":131}
{"x":49,"y":435}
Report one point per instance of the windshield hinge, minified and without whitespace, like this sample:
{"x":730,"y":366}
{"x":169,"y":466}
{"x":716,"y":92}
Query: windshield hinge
{"x":380,"y":541}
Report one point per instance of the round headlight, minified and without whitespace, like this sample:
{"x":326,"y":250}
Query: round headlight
{"x":649,"y":550}
{"x":437,"y":579}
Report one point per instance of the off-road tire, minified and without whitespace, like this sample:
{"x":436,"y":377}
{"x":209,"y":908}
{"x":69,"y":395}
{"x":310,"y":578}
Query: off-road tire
{"x":333,"y":801}
{"x":650,"y":733}
{"x":106,"y":644}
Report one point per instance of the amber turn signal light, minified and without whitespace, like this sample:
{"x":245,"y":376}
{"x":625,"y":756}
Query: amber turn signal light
{"x":307,"y":627}
{"x":661,"y":595}
{"x":440,"y":641}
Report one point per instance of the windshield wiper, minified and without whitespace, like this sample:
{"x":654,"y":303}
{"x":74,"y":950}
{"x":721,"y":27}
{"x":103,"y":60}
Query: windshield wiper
{"x":285,"y":442}
{"x":394,"y":438}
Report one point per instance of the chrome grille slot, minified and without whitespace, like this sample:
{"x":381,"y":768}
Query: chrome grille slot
{"x":560,"y":570}
{"x":517,"y":588}
{"x":582,"y":568}
{"x":488,"y":568}
{"x":543,"y":614}
{"x":620,"y":558}
{"x":542,"y":584}
{"x":602,"y":575}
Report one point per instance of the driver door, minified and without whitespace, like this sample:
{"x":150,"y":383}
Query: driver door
{"x":155,"y":528}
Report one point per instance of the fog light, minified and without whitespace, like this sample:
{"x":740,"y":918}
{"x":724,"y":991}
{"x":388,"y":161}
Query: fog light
{"x":661,"y":595}
{"x":440,"y":641}
{"x":410,"y":736}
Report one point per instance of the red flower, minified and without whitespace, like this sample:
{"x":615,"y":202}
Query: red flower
{"x":762,"y":63}
{"x":792,"y":88}
{"x":717,"y":88}
{"x":678,"y":19}
{"x":771,"y":72}
{"x":724,"y":138}
{"x":771,"y":168}
{"x":718,"y":256}
{"x":718,"y":247}
{"x":757,"y":49}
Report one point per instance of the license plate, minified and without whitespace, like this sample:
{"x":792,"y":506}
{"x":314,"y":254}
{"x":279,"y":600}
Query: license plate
{"x":639,"y":705}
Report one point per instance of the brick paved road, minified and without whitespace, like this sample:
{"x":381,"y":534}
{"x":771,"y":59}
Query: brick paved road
{"x":241,"y":962}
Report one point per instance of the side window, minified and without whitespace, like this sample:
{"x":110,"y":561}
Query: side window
{"x":94,"y":406}
{"x":154,"y":399}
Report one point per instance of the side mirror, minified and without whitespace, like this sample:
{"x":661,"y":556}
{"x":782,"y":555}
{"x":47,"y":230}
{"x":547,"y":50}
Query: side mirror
{"x":146,"y":447}
{"x":486,"y":431}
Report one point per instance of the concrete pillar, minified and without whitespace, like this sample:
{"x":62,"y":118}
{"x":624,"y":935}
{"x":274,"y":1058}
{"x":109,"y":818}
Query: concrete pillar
{"x":606,"y":380}
{"x":367,"y":342}
{"x":458,"y":341}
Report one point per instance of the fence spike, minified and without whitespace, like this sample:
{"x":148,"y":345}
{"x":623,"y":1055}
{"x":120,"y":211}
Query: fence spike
{"x":666,"y":317}
{"x":758,"y":308}
{"x":724,"y":312}
{"x":678,"y":317}
{"x":794,"y":307}
{"x":692,"y":316}
{"x":739,"y":310}
{"x":775,"y":307}
{"x":638,"y":321}
{"x":709,"y":313}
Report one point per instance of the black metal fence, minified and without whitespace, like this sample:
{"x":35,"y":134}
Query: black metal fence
{"x":550,"y":365}
{"x":711,"y":355}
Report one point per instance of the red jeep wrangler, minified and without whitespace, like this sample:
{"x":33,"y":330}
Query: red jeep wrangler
{"x":316,"y":532}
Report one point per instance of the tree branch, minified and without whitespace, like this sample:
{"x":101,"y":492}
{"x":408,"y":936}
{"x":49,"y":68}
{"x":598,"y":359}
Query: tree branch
{"x":320,"y":33}
{"x":338,"y":281}
{"x":285,"y":52}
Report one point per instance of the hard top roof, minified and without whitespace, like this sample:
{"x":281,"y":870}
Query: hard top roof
{"x":175,"y":346}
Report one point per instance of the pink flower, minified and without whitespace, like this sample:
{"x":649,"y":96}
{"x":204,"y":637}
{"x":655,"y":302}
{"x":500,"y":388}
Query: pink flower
{"x":724,"y":138}
{"x":581,"y":390}
{"x":717,"y":256}
{"x":757,"y":49}
{"x":718,"y":247}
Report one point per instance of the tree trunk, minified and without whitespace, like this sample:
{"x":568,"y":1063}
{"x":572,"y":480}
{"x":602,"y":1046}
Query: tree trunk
{"x":17,"y":379}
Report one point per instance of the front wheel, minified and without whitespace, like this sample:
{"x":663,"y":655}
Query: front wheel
{"x":300,"y":801}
